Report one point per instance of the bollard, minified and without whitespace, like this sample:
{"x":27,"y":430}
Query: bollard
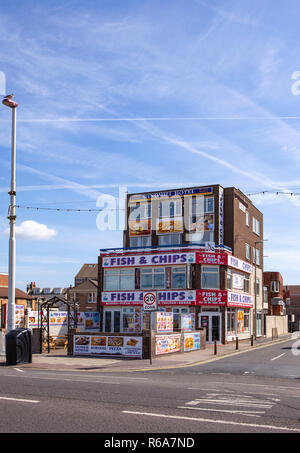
{"x":252,"y":342}
{"x":237,"y":343}
{"x":215,"y":348}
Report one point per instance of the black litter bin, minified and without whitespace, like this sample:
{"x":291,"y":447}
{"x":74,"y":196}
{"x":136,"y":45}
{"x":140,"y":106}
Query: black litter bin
{"x":18,"y":346}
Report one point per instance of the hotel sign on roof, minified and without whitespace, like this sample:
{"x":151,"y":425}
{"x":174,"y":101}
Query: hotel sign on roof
{"x":171,"y":193}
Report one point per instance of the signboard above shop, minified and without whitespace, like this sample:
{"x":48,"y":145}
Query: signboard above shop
{"x":176,"y":257}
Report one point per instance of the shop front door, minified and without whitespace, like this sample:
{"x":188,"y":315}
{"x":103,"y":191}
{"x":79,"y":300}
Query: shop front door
{"x":212,"y":323}
{"x":112,"y":321}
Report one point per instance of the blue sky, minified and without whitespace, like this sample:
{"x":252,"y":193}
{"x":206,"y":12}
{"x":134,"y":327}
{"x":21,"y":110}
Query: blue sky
{"x":215,"y":77}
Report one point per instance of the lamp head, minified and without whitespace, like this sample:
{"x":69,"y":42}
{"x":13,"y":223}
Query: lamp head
{"x":7,"y":100}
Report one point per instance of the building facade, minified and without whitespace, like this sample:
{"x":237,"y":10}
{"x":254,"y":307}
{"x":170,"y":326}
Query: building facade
{"x":273,"y":283}
{"x":200,"y":249}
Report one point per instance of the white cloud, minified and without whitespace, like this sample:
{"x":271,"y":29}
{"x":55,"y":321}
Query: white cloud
{"x":34,"y":231}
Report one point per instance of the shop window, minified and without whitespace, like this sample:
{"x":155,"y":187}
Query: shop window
{"x":178,"y":277}
{"x":210,"y":277}
{"x":176,"y":316}
{"x":153,"y":278}
{"x":231,"y":321}
{"x":128,"y":320}
{"x":141,"y":241}
{"x":229,"y":279}
{"x":243,"y":318}
{"x":169,"y":239}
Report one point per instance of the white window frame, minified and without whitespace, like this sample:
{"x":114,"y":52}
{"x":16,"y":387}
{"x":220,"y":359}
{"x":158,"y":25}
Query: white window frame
{"x":255,"y":226}
{"x":275,"y":286}
{"x":215,"y":270}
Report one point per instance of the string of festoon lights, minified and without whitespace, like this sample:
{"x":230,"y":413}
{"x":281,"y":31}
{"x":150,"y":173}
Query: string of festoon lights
{"x":42,"y":208}
{"x":273,"y":192}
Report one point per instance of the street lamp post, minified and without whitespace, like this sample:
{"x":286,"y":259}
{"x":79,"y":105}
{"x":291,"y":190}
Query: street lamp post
{"x":255,"y":287}
{"x":12,"y":219}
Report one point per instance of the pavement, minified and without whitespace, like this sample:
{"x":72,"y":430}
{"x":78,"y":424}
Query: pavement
{"x":58,"y":360}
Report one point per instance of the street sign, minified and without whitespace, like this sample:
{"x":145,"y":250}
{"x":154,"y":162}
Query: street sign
{"x":149,"y":301}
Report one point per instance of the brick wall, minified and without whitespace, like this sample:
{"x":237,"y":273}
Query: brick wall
{"x":3,"y":280}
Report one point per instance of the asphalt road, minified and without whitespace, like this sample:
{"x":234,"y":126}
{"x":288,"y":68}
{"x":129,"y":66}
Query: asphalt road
{"x":253,"y":392}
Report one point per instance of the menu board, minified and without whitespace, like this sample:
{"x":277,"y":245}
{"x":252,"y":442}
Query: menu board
{"x":118,"y":345}
{"x":191,"y":341}
{"x":164,"y":321}
{"x":20,"y":316}
{"x":166,"y":344}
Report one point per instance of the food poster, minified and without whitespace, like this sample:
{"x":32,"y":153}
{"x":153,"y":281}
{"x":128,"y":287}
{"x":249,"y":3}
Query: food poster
{"x":191,"y":341}
{"x":82,"y":344}
{"x":58,"y":321}
{"x":33,"y":319}
{"x":201,"y":223}
{"x":186,"y":321}
{"x":166,"y":344}
{"x":171,"y":225}
{"x":139,"y":227}
{"x":118,"y":345}
{"x":164,"y":321}
{"x":20,"y":316}
{"x":88,"y":321}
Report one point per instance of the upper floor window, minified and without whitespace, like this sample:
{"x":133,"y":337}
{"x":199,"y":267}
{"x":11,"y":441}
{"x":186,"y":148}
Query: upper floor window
{"x":178,"y":277}
{"x":152,"y":278}
{"x":275,"y":286}
{"x":92,"y":298}
{"x":170,"y":208}
{"x":210,"y":277}
{"x":247,"y":218}
{"x":140,"y":211}
{"x":140,"y":241}
{"x":247,"y":251}
{"x":169,"y":239}
{"x":255,"y":226}
{"x":119,"y":279}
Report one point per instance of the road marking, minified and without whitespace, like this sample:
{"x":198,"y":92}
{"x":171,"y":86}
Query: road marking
{"x":63,"y":379}
{"x":18,"y":369}
{"x":275,"y":358}
{"x":246,"y":384}
{"x":43,"y":373}
{"x":18,"y":399}
{"x":248,"y":413}
{"x":209,"y":420}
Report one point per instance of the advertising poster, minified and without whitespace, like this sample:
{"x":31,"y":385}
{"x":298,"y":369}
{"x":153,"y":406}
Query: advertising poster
{"x":88,"y":321}
{"x":117,"y":345}
{"x":20,"y":316}
{"x":172,"y":225}
{"x":202,"y":223}
{"x":139,"y":227}
{"x":166,"y":344}
{"x":186,"y":321}
{"x":191,"y":341}
{"x":164,"y":321}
